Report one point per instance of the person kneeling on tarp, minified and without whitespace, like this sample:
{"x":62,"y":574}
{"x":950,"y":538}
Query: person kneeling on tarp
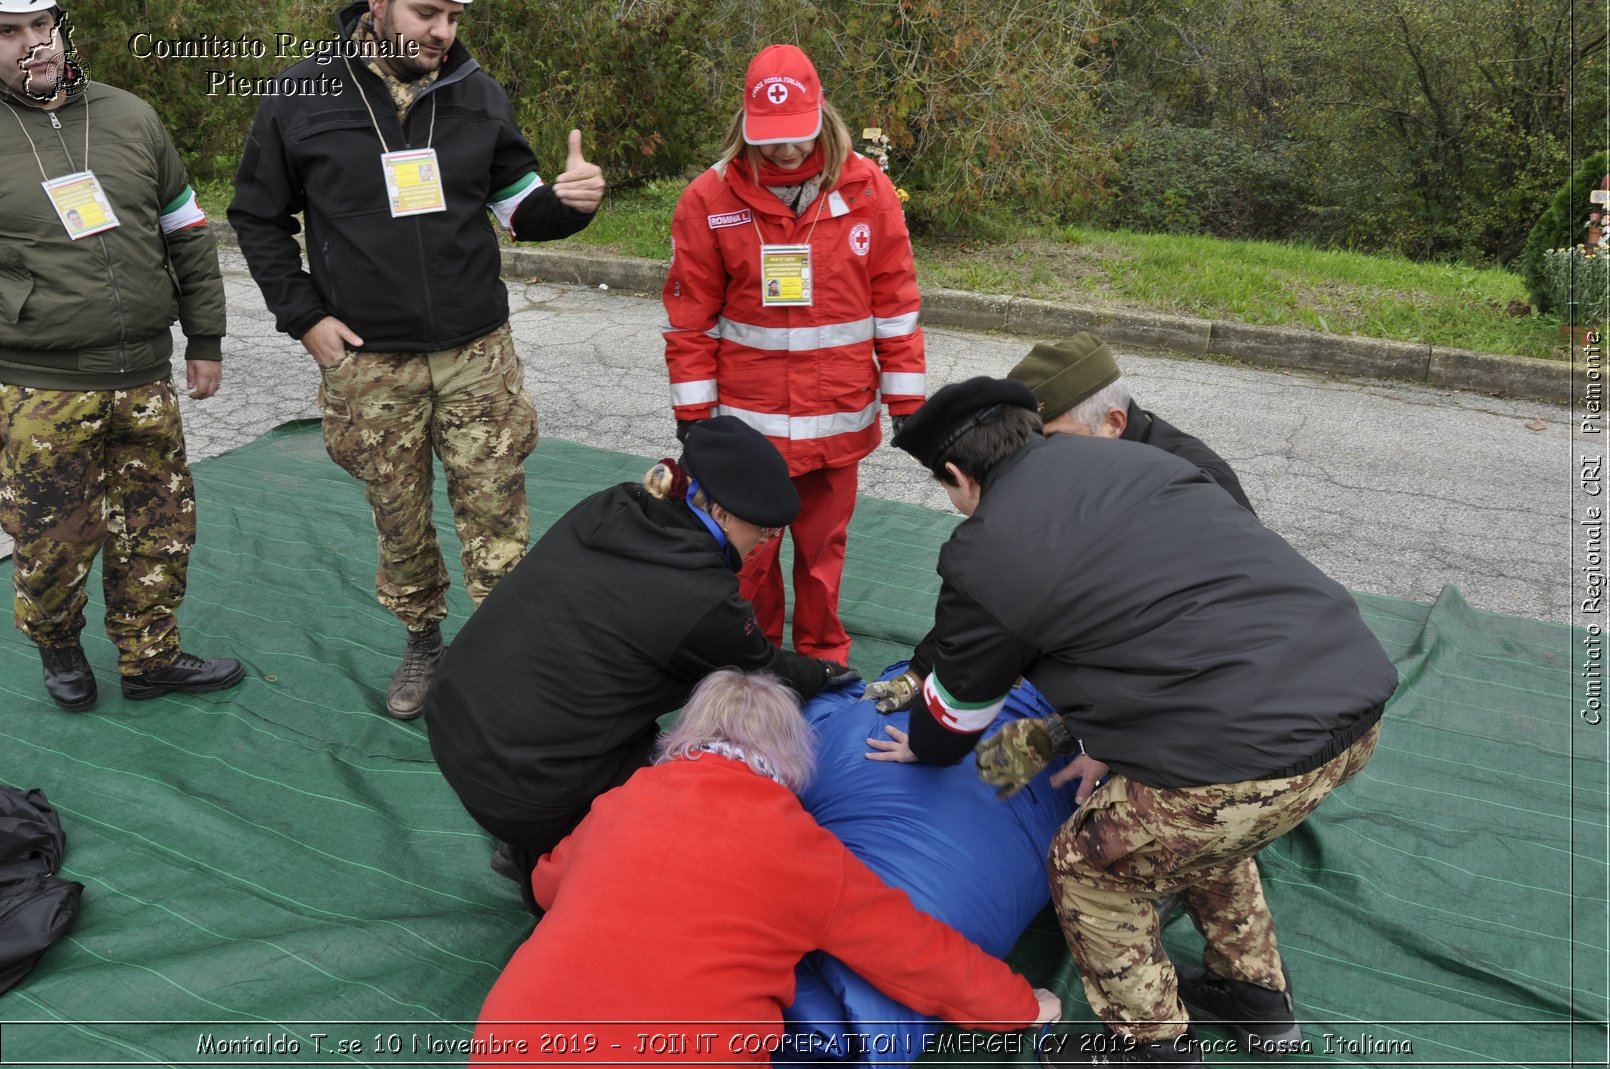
{"x":549,"y":695}
{"x":688,"y":895}
{"x":1227,"y":682}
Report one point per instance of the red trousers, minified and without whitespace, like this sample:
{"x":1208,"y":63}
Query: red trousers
{"x":826,"y":502}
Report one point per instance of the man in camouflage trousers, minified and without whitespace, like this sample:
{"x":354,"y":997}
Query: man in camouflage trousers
{"x":400,"y":303}
{"x":94,"y":269}
{"x":1221,"y":679}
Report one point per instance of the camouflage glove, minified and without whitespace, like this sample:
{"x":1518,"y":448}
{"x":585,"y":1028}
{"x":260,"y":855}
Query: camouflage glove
{"x":1009,"y":759}
{"x":892,"y":695}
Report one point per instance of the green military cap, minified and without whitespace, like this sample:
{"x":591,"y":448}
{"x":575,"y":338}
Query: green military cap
{"x":1063,"y":373}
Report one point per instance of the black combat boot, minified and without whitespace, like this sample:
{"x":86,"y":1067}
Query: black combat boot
{"x":405,"y":698}
{"x":68,"y":679}
{"x":1263,"y":1020}
{"x":188,"y":674}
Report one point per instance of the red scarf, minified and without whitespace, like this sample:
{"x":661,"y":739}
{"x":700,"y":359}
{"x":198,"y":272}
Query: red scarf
{"x":809,"y":168}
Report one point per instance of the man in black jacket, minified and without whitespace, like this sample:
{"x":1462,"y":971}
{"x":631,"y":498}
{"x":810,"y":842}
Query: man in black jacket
{"x":1225,"y":682}
{"x":550,"y":694}
{"x":1079,"y":390}
{"x":393,"y":173}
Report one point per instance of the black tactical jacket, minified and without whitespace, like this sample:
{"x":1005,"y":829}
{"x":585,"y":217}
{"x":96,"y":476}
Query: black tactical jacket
{"x":609,"y":622}
{"x":1184,"y":642}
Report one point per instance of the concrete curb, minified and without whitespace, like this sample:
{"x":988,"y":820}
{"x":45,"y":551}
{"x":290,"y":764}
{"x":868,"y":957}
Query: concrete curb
{"x":1274,"y":347}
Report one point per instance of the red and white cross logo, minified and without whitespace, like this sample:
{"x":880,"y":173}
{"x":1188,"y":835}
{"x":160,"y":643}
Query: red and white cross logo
{"x":860,"y":239}
{"x":777,"y":93}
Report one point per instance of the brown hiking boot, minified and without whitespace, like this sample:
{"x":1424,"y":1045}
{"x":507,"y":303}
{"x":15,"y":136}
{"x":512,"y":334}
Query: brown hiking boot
{"x":405,"y":698}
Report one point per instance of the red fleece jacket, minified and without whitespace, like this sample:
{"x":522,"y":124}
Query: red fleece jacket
{"x":686,"y":898}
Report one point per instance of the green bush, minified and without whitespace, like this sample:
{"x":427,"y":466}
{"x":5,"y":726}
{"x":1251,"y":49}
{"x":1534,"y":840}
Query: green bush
{"x":1560,"y":228}
{"x":1194,"y":181}
{"x":636,"y":79}
{"x":1572,"y":277}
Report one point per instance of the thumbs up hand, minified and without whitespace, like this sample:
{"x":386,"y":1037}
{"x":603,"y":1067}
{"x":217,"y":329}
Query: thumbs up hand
{"x":581,"y":185}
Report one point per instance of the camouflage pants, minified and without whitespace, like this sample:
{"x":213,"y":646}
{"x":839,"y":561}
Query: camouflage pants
{"x":80,"y":470}
{"x":384,"y":414}
{"x":1131,"y":844}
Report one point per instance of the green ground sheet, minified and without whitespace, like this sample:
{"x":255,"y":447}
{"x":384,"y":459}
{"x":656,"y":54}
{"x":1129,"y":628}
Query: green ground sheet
{"x":281,"y":863}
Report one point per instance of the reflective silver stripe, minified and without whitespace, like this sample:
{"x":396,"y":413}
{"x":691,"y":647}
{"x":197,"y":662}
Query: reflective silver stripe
{"x":667,"y":328}
{"x":894,"y":326}
{"x":903,"y":384}
{"x":699,"y":392}
{"x":836,"y":206}
{"x":801,"y":428}
{"x":796,"y":339}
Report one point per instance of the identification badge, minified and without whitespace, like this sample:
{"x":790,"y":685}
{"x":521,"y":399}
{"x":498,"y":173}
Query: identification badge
{"x":785,"y":275}
{"x":81,"y":204}
{"x":413,"y":182}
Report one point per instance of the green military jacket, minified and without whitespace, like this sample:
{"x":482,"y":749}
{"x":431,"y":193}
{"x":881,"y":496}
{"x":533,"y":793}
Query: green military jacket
{"x":95,"y":313}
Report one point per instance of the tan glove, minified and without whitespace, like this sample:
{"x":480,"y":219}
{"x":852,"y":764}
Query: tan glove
{"x":1009,"y":759}
{"x":893,"y":695}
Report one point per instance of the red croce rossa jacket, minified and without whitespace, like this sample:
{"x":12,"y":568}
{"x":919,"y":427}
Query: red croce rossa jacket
{"x":809,"y":378}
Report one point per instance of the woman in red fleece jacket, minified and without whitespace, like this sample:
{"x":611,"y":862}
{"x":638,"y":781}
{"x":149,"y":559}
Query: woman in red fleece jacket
{"x":679,"y":908}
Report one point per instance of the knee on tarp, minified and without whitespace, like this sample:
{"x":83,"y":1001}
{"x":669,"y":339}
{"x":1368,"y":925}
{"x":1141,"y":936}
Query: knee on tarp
{"x":36,"y":906}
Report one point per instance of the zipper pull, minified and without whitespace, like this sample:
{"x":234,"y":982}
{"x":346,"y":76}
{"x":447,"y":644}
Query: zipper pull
{"x":55,"y":122}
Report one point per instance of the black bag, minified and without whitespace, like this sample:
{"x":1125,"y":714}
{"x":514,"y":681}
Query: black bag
{"x":36,"y":906}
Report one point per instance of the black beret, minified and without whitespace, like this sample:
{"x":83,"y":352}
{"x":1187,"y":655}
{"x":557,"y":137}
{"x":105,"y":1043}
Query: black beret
{"x":741,"y":471}
{"x":953,"y":411}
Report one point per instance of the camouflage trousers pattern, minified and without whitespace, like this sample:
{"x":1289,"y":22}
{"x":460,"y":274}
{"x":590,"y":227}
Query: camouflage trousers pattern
{"x":384,"y":415}
{"x":83,"y":471}
{"x":1130,"y":845}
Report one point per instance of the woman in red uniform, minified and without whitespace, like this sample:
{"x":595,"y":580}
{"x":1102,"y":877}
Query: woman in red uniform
{"x":678,"y":909}
{"x":792,"y":304}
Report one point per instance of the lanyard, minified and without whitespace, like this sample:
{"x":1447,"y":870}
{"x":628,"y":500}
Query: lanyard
{"x":12,"y":108}
{"x":429,"y":136}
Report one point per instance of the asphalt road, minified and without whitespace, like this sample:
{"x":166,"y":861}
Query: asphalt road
{"x":1391,"y":489}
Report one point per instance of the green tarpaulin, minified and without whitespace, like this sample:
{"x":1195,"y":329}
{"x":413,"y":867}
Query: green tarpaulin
{"x":280,"y":866}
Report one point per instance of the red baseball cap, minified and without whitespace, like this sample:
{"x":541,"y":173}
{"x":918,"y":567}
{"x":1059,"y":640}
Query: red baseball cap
{"x":782,"y":97}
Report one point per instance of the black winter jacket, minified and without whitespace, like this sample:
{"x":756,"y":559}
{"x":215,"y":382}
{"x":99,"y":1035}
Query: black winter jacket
{"x":609,"y":622}
{"x":420,"y":283}
{"x":1184,"y":642}
{"x":1147,"y":428}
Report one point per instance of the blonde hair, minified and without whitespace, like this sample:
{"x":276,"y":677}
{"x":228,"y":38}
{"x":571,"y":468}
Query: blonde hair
{"x":754,"y":712}
{"x":660,"y":479}
{"x":834,"y":141}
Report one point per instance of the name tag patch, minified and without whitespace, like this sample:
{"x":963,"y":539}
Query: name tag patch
{"x":728,"y":219}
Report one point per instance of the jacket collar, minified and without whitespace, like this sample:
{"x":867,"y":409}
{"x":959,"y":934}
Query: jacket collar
{"x":74,"y":99}
{"x":1139,"y":426}
{"x":857,"y":172}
